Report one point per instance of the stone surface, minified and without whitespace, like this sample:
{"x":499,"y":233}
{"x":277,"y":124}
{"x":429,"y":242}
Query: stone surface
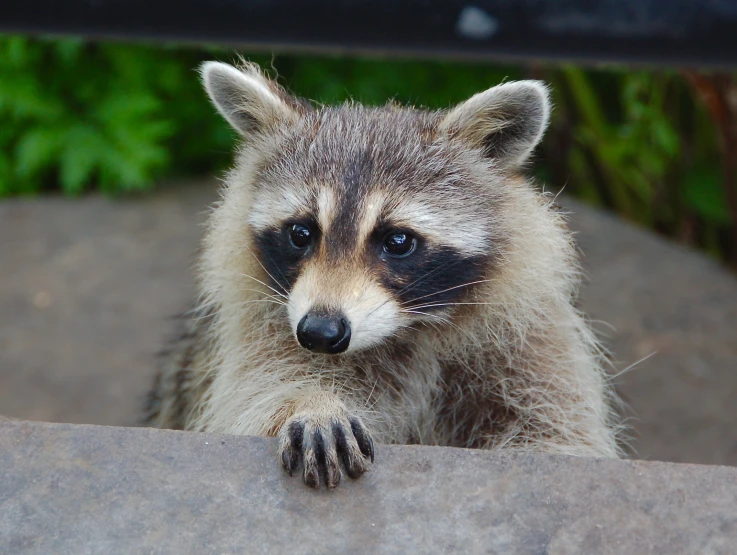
{"x":87,"y":290}
{"x":87,"y":287}
{"x":91,"y":489}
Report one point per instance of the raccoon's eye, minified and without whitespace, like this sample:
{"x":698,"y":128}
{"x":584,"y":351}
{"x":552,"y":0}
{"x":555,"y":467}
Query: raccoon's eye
{"x":399,"y":244}
{"x":300,"y":236}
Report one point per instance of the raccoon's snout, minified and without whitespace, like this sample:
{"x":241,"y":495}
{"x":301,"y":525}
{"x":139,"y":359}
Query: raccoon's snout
{"x":324,"y":333}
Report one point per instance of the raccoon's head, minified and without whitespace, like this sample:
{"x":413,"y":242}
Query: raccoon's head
{"x":370,"y":221}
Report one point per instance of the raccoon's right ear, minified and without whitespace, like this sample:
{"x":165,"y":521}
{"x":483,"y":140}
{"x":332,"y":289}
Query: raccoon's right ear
{"x":505,"y":122}
{"x":250,"y":102}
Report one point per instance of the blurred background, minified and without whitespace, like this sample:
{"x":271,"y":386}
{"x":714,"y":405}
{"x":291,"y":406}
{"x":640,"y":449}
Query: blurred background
{"x":77,"y":117}
{"x":108,"y":153}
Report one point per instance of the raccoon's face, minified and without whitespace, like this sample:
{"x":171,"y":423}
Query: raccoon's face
{"x":370,"y":221}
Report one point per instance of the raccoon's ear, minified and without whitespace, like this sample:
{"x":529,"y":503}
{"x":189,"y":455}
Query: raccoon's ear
{"x":250,"y":102}
{"x":506,"y":121}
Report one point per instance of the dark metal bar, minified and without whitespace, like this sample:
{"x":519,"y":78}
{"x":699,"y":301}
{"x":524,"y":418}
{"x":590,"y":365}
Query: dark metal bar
{"x":671,"y":32}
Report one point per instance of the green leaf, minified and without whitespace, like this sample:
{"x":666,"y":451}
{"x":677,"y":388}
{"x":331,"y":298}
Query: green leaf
{"x":36,"y":150}
{"x":666,"y":136}
{"x":83,"y":152}
{"x":17,"y":51}
{"x":69,"y":50}
{"x":703,"y":191}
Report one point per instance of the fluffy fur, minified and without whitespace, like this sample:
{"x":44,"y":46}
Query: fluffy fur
{"x":471,"y":341}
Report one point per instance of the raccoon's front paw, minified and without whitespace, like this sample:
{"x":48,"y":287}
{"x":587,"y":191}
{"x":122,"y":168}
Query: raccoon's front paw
{"x":320,"y":441}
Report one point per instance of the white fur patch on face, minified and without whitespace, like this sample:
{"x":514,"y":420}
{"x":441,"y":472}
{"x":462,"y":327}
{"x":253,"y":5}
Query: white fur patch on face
{"x":273,"y":206}
{"x":373,"y":322}
{"x":369,"y":216}
{"x":373,"y":314}
{"x":443,"y":225}
{"x":326,"y":207}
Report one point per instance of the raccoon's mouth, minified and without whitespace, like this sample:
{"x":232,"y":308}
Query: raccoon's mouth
{"x":324,"y":333}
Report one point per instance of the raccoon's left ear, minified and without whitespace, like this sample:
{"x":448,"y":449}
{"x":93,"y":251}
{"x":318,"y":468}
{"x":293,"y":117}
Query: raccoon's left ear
{"x":506,"y":122}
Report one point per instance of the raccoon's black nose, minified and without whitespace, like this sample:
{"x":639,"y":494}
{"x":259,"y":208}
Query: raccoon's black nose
{"x":323,"y":333}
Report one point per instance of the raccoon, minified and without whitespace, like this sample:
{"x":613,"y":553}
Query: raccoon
{"x":385,"y":274}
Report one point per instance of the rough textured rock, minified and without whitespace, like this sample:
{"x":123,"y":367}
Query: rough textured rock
{"x":90,"y":489}
{"x":87,"y":285}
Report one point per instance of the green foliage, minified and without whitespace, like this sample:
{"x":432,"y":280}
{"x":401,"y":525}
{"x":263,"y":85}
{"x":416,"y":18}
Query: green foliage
{"x":78,"y":116}
{"x":641,"y":144}
{"x":116,"y":117}
{"x":430,"y":84}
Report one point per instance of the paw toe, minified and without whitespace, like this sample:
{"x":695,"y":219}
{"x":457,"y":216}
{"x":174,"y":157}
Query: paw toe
{"x":350,"y":451}
{"x":291,"y":446}
{"x":365,"y":443}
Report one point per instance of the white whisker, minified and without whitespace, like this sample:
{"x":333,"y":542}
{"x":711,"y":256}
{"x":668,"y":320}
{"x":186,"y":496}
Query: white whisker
{"x":444,"y":320}
{"x":444,"y":304}
{"x":276,"y":281}
{"x":446,"y":290}
{"x":261,"y":301}
{"x":265,"y":285}
{"x":274,"y":297}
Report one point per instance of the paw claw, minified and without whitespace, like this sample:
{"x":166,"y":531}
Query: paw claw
{"x":332,"y":476}
{"x":290,"y":460}
{"x":312,"y":476}
{"x":370,"y":447}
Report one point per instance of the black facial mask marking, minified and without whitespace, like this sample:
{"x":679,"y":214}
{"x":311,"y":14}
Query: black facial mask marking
{"x":279,"y":256}
{"x":432,"y":275}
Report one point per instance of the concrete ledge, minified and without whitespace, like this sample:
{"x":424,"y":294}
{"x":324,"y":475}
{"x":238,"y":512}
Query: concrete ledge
{"x":91,"y":489}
